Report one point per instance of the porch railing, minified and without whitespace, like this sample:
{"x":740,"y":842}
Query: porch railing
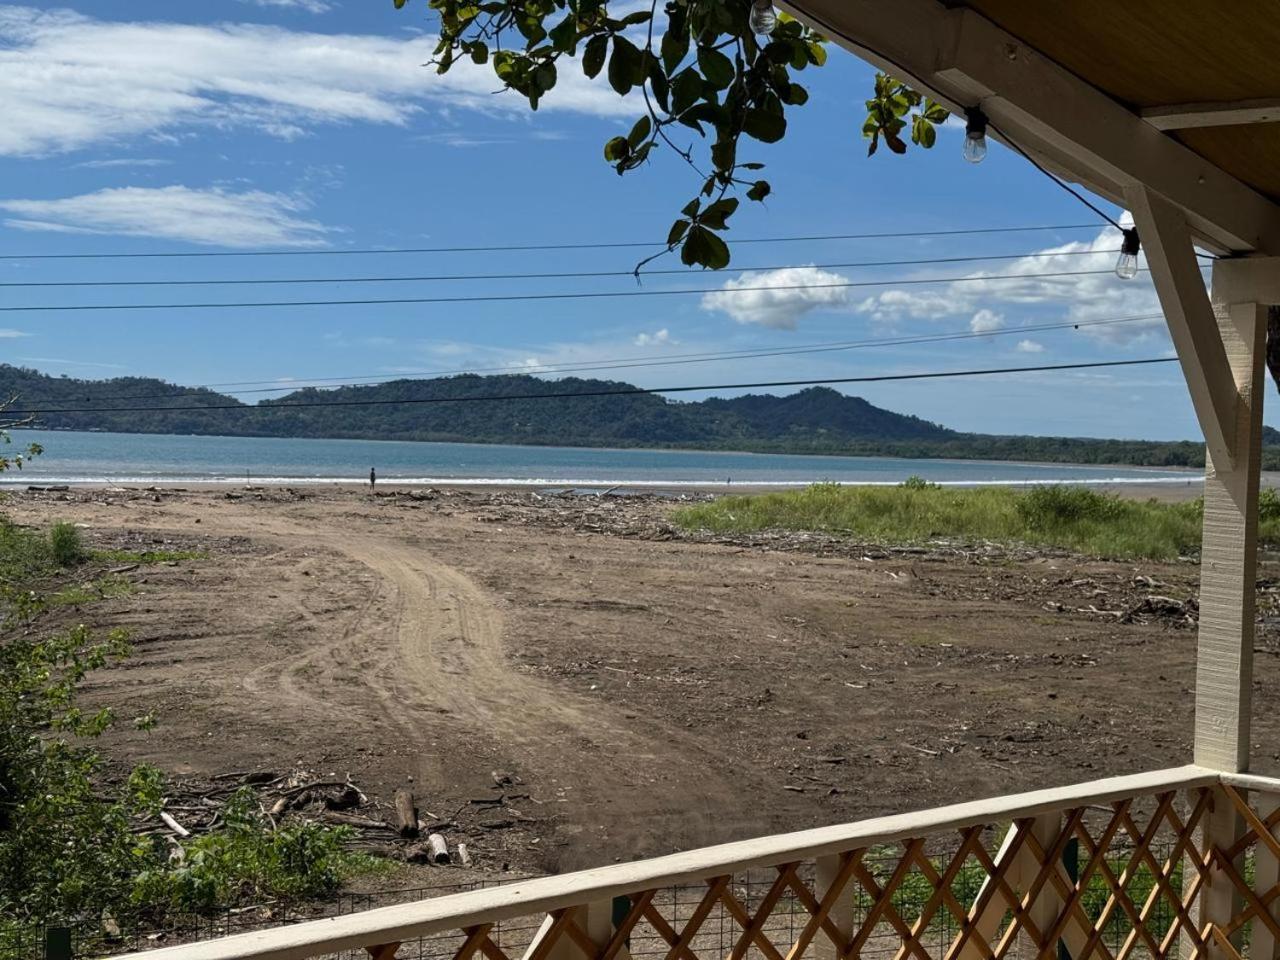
{"x":1182,"y":861}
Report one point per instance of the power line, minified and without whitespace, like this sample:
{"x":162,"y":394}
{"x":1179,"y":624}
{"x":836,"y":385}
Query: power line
{"x":538,"y":246}
{"x":588,"y":274}
{"x":586,"y":366}
{"x":630,"y":391}
{"x":506,"y":298}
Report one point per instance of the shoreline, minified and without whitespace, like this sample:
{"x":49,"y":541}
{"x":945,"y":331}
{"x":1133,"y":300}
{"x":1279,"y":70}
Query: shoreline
{"x":1161,"y":488}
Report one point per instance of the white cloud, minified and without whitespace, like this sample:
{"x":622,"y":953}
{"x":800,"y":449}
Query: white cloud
{"x":8,"y":333}
{"x":215,"y":216}
{"x":1029,"y":346}
{"x":777,"y":298}
{"x":60,"y":361}
{"x":123,"y":162}
{"x":985,"y":321}
{"x":310,"y":6}
{"x":69,"y":81}
{"x":1092,"y":292}
{"x":660,"y":339}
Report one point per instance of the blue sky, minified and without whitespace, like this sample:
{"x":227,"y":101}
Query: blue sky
{"x":147,"y":126}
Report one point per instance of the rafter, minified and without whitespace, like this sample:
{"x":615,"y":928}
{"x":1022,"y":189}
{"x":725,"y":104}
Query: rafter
{"x":1183,"y":116}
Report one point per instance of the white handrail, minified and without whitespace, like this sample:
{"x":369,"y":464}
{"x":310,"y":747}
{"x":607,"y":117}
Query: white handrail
{"x":403,"y":922}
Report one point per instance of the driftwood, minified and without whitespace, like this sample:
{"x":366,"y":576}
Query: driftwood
{"x":464,"y":857}
{"x":406,"y":815}
{"x":439,"y":848}
{"x":174,"y":825}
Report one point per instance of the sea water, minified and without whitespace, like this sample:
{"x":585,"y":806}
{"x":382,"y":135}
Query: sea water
{"x":75,"y":457}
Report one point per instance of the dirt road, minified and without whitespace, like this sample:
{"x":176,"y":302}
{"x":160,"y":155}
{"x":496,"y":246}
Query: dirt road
{"x":642,"y":691}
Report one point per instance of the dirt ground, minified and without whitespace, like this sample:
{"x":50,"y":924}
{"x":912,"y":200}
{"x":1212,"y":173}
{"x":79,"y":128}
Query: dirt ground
{"x":627,"y":690}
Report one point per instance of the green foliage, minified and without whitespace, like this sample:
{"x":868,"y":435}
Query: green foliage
{"x":67,"y":545}
{"x":698,"y":67}
{"x":914,"y":482}
{"x":1070,"y":518}
{"x":249,"y":859}
{"x":892,"y":107}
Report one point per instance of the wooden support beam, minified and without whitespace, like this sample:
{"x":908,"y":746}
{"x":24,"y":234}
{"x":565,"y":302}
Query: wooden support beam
{"x":1266,"y":876}
{"x":829,"y":874}
{"x":1166,"y":240}
{"x":961,"y":59}
{"x":1184,"y":116}
{"x":1229,"y":555}
{"x":1219,"y":900}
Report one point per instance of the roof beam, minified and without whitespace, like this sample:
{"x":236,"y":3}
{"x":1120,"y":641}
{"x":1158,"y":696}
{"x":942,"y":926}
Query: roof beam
{"x":1193,"y":326}
{"x":1183,"y":116}
{"x":961,"y":58}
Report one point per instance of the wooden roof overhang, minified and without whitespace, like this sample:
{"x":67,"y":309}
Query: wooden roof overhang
{"x":1180,"y":96}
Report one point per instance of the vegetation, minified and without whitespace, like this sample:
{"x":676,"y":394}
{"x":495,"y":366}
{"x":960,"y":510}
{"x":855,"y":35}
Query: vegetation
{"x":702,"y":65}
{"x":813,"y":421}
{"x":1072,"y":518}
{"x":68,"y":848}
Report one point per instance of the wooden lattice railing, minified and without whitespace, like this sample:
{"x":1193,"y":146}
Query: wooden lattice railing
{"x":1183,"y":861}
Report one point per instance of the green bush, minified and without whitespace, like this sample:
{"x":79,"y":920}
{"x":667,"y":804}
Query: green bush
{"x":67,"y":545}
{"x":250,"y":859}
{"x":1043,"y":508}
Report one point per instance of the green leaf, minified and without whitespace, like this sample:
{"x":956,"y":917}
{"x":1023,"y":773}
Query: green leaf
{"x":623,"y":64}
{"x":759,"y":190}
{"x":617,"y":149}
{"x":765,"y":126}
{"x":703,"y":248}
{"x":594,"y":54}
{"x":716,"y":67}
{"x":479,"y":52}
{"x":640,"y":132}
{"x":674,"y":48}
{"x":677,"y":232}
{"x":564,"y":35}
{"x":716,"y":214}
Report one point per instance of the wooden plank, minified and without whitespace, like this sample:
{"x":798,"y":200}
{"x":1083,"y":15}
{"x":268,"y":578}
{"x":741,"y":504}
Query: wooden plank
{"x":1166,"y":239}
{"x":1219,"y":900}
{"x":1182,"y":116}
{"x":542,"y":895}
{"x":1229,"y":555}
{"x":1264,"y":945}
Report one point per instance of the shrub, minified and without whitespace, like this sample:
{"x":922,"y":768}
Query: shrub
{"x":914,"y":482}
{"x":68,"y":547}
{"x":1042,"y":508}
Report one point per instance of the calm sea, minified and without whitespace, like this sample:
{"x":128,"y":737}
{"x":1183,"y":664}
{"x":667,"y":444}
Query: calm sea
{"x":153,"y":458}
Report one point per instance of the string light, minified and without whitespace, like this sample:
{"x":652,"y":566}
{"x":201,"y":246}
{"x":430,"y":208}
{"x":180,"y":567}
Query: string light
{"x":1127,"y":264}
{"x":763,"y":18}
{"x":975,"y":135}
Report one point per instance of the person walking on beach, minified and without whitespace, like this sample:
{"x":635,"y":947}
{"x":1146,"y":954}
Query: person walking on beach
{"x":373,"y":479}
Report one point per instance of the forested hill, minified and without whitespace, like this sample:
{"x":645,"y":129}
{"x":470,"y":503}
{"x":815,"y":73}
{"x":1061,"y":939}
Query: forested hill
{"x":816,"y":420}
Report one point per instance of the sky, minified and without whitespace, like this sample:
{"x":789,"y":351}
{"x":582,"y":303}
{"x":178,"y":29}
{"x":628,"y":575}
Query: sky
{"x":141,"y":126}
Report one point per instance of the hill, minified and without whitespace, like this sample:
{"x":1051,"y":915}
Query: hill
{"x":475,"y":409}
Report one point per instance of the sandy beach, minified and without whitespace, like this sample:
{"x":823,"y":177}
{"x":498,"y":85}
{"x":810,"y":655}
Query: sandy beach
{"x":635,"y":688}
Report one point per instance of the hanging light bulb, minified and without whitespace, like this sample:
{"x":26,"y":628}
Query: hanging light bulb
{"x":763,"y":17}
{"x":1127,"y":264}
{"x":975,"y":135}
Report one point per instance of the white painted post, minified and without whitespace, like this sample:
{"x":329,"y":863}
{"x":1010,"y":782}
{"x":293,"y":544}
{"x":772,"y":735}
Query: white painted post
{"x":841,"y":914}
{"x":1228,"y":559}
{"x":1219,"y":900}
{"x":1266,"y":874}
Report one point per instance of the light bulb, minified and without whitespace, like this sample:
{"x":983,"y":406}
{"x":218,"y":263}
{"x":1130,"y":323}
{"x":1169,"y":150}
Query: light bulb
{"x":1127,"y":264}
{"x":975,"y":135}
{"x":763,"y":17}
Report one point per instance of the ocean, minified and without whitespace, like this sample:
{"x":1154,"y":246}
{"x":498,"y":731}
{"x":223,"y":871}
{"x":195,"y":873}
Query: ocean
{"x":73,"y":457}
